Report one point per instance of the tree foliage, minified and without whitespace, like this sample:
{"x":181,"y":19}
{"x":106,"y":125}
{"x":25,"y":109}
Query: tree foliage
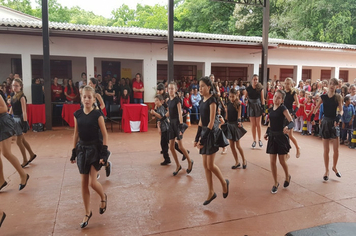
{"x":310,"y":20}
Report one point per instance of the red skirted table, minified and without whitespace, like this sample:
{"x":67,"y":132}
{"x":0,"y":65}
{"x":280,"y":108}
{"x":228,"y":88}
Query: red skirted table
{"x":36,"y":113}
{"x":134,"y":118}
{"x":68,"y":113}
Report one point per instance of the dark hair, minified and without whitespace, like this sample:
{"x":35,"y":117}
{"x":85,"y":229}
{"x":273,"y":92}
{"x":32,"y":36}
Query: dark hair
{"x":139,"y":75}
{"x":259,"y":86}
{"x":83,"y":74}
{"x":125,"y":96}
{"x":160,"y":86}
{"x":206,"y":80}
{"x":347,"y":98}
{"x":96,"y":83}
{"x":159,"y":97}
{"x":69,"y":89}
{"x":236,"y":103}
{"x":282,"y":92}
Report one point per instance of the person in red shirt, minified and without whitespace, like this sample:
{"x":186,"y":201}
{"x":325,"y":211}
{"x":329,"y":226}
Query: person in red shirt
{"x":137,"y":87}
{"x":56,"y":90}
{"x":187,"y":104}
{"x":70,"y":91}
{"x":125,"y":98}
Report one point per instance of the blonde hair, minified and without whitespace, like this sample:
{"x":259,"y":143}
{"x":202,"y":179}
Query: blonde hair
{"x":18,"y":95}
{"x":292,"y":89}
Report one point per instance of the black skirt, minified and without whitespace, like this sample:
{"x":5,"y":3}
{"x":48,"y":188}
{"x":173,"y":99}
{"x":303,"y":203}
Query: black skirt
{"x":215,"y":140}
{"x":328,"y":129}
{"x":88,"y":154}
{"x":7,"y":126}
{"x":18,"y":125}
{"x":254,"y":108}
{"x":232,"y":131}
{"x":278,"y":143}
{"x":174,"y":131}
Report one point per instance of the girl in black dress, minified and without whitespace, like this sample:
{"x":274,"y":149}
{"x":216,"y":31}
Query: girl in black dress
{"x":329,"y":133}
{"x":233,"y":128}
{"x":176,"y":127}
{"x":7,"y":130}
{"x":277,"y":136}
{"x":18,"y":109}
{"x":291,"y":96}
{"x":255,"y":109}
{"x":89,"y":150}
{"x":207,"y":138}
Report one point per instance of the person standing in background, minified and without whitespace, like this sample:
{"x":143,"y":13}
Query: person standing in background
{"x":137,"y":87}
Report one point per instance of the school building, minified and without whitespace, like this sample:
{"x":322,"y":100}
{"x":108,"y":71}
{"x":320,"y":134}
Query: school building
{"x":123,"y":52}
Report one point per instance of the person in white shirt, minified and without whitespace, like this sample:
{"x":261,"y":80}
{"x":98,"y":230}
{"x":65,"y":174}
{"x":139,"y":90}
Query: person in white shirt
{"x":195,"y":104}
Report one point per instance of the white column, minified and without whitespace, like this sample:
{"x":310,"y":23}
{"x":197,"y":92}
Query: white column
{"x":253,"y":69}
{"x":27,"y":76}
{"x":297,"y":73}
{"x":90,"y":67}
{"x":207,"y":68}
{"x":335,"y":72}
{"x":149,"y":78}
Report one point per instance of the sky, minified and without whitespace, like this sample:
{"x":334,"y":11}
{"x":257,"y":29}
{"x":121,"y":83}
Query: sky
{"x":104,"y":7}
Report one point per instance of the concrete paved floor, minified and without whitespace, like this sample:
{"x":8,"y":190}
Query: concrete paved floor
{"x":145,"y":199}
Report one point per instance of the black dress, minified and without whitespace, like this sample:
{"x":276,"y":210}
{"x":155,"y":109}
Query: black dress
{"x":328,"y":129}
{"x":231,"y":129}
{"x":89,"y":146}
{"x":216,"y":137}
{"x":17,"y":112}
{"x":7,"y":126}
{"x":254,"y":105}
{"x":278,"y":142}
{"x":174,"y":131}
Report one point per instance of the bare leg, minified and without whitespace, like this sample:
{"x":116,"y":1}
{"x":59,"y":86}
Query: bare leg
{"x":294,"y":140}
{"x":233,"y":150}
{"x":336,"y":144}
{"x":185,"y":153}
{"x":2,"y":178}
{"x":19,"y":143}
{"x":253,"y":127}
{"x":258,"y":125}
{"x":241,"y":151}
{"x":86,"y":194}
{"x":282,"y":161}
{"x":174,"y":154}
{"x":326,"y":156}
{"x":273,"y":159}
{"x":215,"y":169}
{"x":94,"y":184}
{"x":6,"y":149}
{"x":208,"y":176}
{"x":27,"y":146}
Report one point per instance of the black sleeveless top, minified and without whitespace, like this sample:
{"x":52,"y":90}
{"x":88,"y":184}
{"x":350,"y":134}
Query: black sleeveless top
{"x":276,"y":118}
{"x":16,"y":106}
{"x":205,"y":110}
{"x":330,"y":105}
{"x":172,"y":106}
{"x":253,"y":93}
{"x":88,"y":125}
{"x":288,"y":101}
{"x":232,"y":113}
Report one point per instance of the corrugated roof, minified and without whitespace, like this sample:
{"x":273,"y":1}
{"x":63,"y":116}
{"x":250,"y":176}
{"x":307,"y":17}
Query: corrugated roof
{"x":164,"y":33}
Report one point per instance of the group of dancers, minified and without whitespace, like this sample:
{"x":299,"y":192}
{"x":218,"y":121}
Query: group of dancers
{"x":90,"y":150}
{"x":212,"y":132}
{"x":17,"y":125}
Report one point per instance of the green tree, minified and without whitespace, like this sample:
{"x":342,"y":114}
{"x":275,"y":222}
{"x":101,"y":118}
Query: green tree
{"x":19,"y":5}
{"x":204,"y":16}
{"x":122,"y":16}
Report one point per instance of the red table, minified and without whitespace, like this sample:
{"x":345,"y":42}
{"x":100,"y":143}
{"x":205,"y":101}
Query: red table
{"x":134,"y":112}
{"x":68,"y":113}
{"x":36,"y":113}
